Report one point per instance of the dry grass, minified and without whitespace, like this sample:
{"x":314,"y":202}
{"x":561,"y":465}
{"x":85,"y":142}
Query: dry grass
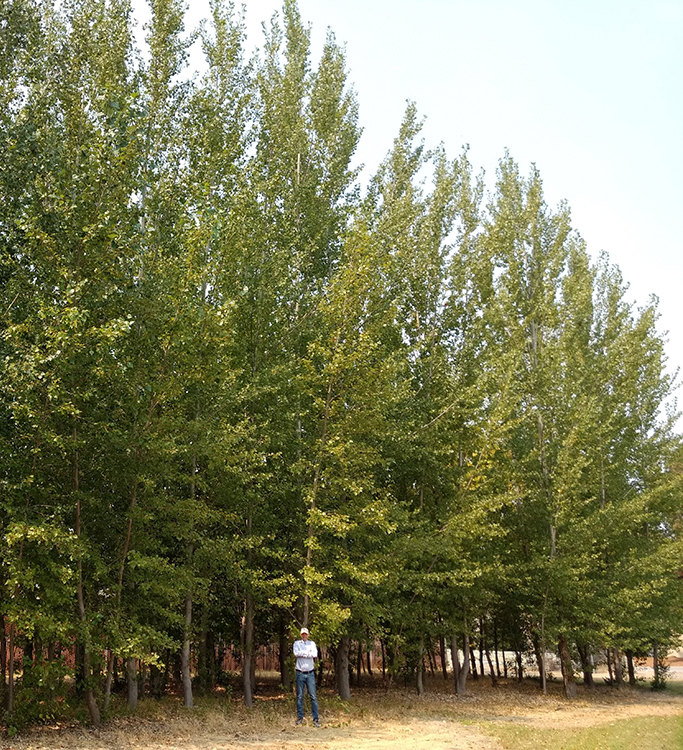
{"x":396,"y":719}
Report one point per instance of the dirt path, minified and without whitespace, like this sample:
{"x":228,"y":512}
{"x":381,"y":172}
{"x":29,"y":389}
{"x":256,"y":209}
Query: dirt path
{"x":416,"y":735}
{"x":401,"y":722}
{"x":427,"y":735}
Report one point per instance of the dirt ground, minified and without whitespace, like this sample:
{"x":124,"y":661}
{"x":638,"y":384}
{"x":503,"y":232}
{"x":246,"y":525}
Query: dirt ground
{"x":398,"y":720}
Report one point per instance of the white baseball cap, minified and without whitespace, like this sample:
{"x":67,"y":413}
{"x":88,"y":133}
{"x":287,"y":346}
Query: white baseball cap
{"x":304,"y":630}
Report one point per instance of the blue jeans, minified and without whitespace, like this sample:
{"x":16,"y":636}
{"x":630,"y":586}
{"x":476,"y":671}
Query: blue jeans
{"x":306,"y":679}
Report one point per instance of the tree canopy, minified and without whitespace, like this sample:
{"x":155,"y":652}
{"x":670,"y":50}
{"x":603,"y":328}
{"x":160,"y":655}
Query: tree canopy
{"x":240,"y":392}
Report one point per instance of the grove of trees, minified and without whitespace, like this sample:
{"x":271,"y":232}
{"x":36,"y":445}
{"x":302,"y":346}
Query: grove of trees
{"x":240,"y":392}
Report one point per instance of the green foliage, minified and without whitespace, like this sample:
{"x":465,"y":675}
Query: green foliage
{"x":228,"y":377}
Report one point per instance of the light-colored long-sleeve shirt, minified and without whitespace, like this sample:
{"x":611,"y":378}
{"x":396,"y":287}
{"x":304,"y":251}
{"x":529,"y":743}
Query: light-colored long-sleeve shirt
{"x":305,"y":652}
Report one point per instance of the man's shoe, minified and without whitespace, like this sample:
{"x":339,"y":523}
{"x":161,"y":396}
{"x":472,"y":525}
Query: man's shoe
{"x":299,"y":722}
{"x":316,"y":723}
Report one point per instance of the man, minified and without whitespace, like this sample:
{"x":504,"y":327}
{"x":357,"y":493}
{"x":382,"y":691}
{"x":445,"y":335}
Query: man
{"x":305,"y":651}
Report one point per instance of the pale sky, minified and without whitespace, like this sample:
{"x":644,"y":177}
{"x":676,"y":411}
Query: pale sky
{"x":591,"y":92}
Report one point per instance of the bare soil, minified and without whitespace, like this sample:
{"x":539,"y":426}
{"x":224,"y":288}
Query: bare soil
{"x":375,"y":719}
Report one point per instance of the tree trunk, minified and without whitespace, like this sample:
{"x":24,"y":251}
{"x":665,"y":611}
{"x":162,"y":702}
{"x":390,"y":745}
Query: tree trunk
{"x":285,"y":679}
{"x":248,"y":650}
{"x":202,"y":660}
{"x":111,"y":661}
{"x":432,"y":660}
{"x":657,"y":683}
{"x":540,"y":663}
{"x":460,"y":671}
{"x":211,"y":659}
{"x":481,"y":648}
{"x":132,"y":680}
{"x":495,"y":647}
{"x":314,"y":494}
{"x":586,"y":666}
{"x":520,"y":666}
{"x":186,"y":675}
{"x":93,"y":710}
{"x":10,"y":669}
{"x":142,"y":680}
{"x":3,"y":654}
{"x":455,"y":658}
{"x":473,"y":662}
{"x":567,"y":668}
{"x":156,"y":682}
{"x":631,"y":670}
{"x":494,"y":676}
{"x":420,"y":667}
{"x":119,"y":674}
{"x":608,"y":653}
{"x":618,"y":669}
{"x":341,"y":668}
{"x":442,"y":654}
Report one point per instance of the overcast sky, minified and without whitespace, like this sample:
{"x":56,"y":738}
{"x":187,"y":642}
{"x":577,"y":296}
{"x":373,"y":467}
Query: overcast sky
{"x":591,"y":92}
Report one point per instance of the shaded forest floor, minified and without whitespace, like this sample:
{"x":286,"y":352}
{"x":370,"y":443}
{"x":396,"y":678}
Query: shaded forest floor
{"x":511,"y":716}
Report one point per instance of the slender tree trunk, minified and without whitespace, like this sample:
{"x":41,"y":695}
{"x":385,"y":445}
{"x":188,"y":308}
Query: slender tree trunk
{"x":187,"y":640}
{"x":520,"y":666}
{"x":285,"y":678}
{"x":420,"y":667}
{"x":10,"y":669}
{"x":111,"y":661}
{"x":455,"y":658}
{"x":473,"y":663}
{"x":3,"y":655}
{"x":495,"y":647}
{"x":132,"y":680}
{"x":359,"y":662}
{"x":631,"y":669}
{"x":314,"y":493}
{"x":432,"y":660}
{"x":460,"y":671}
{"x":494,"y":676}
{"x":442,"y":655}
{"x":540,"y":663}
{"x":384,"y":661}
{"x":156,"y":677}
{"x":481,"y":648}
{"x":51,"y":658}
{"x":341,"y":668}
{"x":466,"y":653}
{"x":567,"y":668}
{"x":93,"y":710}
{"x":248,"y":650}
{"x":608,"y":652}
{"x":657,"y":682}
{"x":618,"y":669}
{"x":586,"y":666}
{"x":79,"y":672}
{"x":211,"y":659}
{"x":202,"y":661}
{"x":142,"y":681}
{"x":368,"y":654}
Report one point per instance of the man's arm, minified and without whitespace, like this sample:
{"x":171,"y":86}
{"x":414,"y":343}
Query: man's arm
{"x":305,"y":649}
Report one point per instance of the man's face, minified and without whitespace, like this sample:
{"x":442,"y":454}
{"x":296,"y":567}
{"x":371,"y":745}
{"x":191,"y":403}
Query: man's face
{"x":304,"y":636}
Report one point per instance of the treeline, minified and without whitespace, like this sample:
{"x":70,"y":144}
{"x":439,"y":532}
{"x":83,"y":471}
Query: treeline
{"x":240,"y":393}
